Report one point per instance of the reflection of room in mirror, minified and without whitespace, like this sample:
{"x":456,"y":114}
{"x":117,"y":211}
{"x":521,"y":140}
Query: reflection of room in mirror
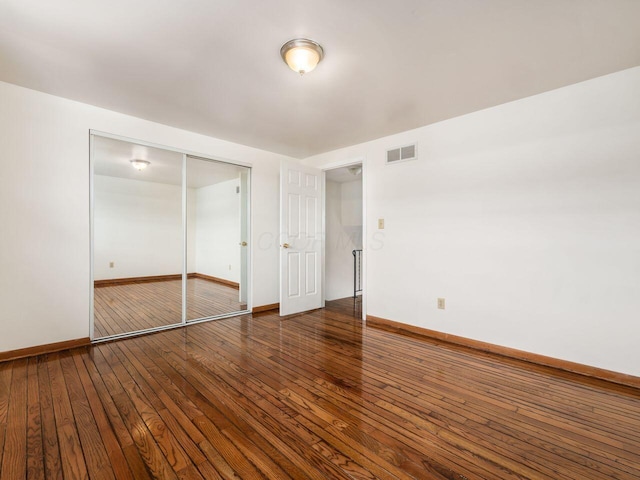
{"x":216,"y":220}
{"x":138,"y":237}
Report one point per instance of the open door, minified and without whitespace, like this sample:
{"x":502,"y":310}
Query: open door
{"x":300,"y":238}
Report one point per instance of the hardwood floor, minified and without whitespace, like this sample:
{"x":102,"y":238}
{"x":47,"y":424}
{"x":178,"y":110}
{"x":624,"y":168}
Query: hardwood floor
{"x":144,"y":305}
{"x":310,"y":396}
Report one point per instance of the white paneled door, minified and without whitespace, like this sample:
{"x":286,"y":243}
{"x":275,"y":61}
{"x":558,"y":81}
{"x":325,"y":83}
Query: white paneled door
{"x":300,"y":238}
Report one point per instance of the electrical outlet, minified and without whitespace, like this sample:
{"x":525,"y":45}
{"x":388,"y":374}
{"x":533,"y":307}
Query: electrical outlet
{"x":229,"y":267}
{"x":112,"y":264}
{"x":381,"y":224}
{"x":441,"y":303}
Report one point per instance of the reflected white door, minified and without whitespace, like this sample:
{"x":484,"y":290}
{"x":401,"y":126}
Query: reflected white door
{"x":300,"y":238}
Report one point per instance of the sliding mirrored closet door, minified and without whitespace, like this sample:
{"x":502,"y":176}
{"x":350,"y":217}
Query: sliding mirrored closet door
{"x":169,"y":237}
{"x":217,"y":226}
{"x":137,"y":237}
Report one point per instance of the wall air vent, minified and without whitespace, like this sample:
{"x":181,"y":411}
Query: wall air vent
{"x":400,"y":154}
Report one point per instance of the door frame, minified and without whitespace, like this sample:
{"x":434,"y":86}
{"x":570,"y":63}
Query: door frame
{"x":185,"y":153}
{"x":363,"y":265}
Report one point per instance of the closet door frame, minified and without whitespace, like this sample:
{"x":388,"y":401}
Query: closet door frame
{"x":185,"y":154}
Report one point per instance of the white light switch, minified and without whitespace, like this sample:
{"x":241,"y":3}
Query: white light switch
{"x":381,"y":224}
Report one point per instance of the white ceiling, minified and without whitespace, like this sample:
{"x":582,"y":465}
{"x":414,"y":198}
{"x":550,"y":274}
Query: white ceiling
{"x":113,"y":158}
{"x":214,"y":67}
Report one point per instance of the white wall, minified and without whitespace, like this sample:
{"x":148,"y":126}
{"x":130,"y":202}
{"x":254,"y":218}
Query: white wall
{"x":218,"y":230}
{"x":351,"y":204}
{"x":44,"y":210}
{"x":138,"y":227}
{"x":343,"y":213}
{"x":525,"y":217}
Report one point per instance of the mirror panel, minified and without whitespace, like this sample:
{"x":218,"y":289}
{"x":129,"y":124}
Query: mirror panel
{"x":217,"y":229}
{"x":137,"y":237}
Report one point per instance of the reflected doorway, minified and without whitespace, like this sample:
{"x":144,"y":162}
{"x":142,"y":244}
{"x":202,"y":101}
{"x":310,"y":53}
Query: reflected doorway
{"x":169,"y":237}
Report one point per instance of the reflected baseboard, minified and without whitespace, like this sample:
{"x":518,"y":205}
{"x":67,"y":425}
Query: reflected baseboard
{"x":162,"y":278}
{"x":125,"y":281}
{"x":202,"y":276}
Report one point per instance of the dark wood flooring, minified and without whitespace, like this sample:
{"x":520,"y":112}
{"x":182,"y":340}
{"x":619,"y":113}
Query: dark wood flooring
{"x":311,"y":396}
{"x":144,"y":305}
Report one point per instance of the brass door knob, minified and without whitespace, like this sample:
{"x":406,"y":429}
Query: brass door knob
{"x":244,"y":244}
{"x":285,"y":245}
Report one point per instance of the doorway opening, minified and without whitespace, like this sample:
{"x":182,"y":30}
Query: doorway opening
{"x":343,"y":254}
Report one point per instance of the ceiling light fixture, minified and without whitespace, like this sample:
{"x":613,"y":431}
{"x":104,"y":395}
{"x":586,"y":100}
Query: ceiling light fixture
{"x":302,"y":55}
{"x":355,"y":170}
{"x":139,"y":164}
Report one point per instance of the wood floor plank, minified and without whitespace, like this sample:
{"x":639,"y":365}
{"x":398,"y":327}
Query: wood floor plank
{"x":35,"y":449}
{"x":144,"y":305}
{"x":311,"y":396}
{"x":71,"y":454}
{"x":172,"y":449}
{"x":6,"y":370}
{"x":443,"y":418}
{"x":14,"y":459}
{"x":236,"y":432}
{"x":278,"y":453}
{"x":328,"y":418}
{"x":186,"y":435}
{"x":281,"y":372}
{"x":113,"y":449}
{"x":159,"y":459}
{"x":118,"y":429}
{"x":98,"y":463}
{"x":51,"y":448}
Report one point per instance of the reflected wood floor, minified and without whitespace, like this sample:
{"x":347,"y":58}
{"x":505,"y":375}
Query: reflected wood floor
{"x":144,"y":305}
{"x":310,"y":396}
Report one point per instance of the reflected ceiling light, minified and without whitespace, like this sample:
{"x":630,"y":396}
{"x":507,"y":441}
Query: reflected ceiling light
{"x":139,"y":164}
{"x":355,"y":170}
{"x":302,"y":55}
